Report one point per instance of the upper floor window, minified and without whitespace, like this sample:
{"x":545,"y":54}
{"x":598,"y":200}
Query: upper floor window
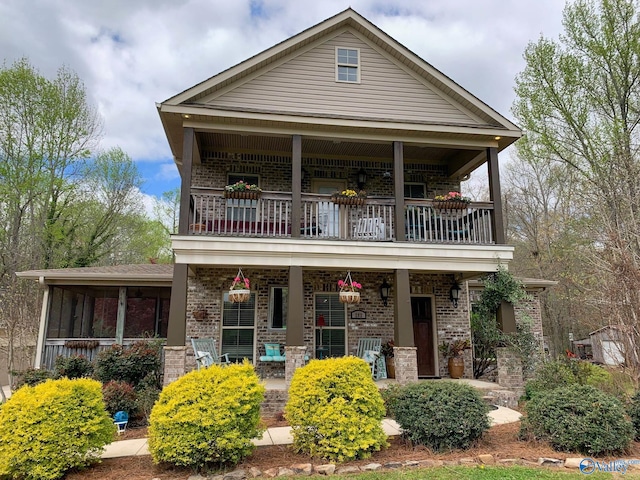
{"x":414,"y":190}
{"x":348,"y":65}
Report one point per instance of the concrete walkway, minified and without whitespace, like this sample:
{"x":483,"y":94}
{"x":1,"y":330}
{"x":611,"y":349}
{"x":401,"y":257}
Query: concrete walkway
{"x":282,"y":435}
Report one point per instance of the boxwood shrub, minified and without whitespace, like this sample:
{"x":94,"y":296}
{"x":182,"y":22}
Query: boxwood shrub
{"x":207,"y":417}
{"x":440,"y":415}
{"x":578,"y":418}
{"x":634,"y":413}
{"x":335,"y":410}
{"x":50,"y":428}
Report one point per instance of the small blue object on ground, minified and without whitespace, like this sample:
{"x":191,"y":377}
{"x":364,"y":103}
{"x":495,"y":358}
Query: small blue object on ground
{"x":121,"y":419}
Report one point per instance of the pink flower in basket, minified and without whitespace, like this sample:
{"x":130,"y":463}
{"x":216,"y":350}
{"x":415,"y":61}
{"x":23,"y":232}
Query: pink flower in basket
{"x":240,"y":284}
{"x":349,"y":286}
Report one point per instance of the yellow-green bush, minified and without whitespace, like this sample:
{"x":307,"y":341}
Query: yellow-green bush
{"x":335,"y":410}
{"x":208,"y":416}
{"x":50,"y":428}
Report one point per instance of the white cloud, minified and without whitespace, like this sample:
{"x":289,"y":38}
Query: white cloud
{"x":134,"y":53}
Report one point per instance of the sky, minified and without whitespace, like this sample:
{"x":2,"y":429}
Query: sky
{"x":132,"y":54}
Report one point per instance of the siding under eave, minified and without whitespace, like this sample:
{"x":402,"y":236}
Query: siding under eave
{"x":306,"y":84}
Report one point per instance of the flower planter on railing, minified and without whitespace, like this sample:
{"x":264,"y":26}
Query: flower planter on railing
{"x":450,"y":205}
{"x":247,"y":195}
{"x":346,"y":200}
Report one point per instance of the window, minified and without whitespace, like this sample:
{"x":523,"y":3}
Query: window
{"x":414,"y":190}
{"x":278,"y":304}
{"x":331,"y":338}
{"x":348,"y":65}
{"x":238,"y":328}
{"x":147,"y":312}
{"x":242,"y":210}
{"x":92,"y":312}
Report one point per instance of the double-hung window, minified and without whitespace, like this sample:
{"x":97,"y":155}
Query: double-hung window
{"x":238,"y":328}
{"x":330,"y":320}
{"x":348,"y":65}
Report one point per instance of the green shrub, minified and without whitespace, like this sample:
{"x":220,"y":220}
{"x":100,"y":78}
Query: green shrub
{"x":208,"y":416}
{"x":30,"y":377}
{"x":50,"y":428}
{"x":129,"y":364}
{"x":578,"y":418}
{"x":335,"y":410}
{"x":559,"y":373}
{"x":548,"y":376}
{"x":634,"y":413}
{"x":441,"y":415}
{"x":119,"y":396}
{"x":389,"y":395}
{"x":76,"y":366}
{"x":147,"y":394}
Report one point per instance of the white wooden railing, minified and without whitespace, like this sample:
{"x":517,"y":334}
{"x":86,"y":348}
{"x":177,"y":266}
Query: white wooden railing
{"x":426,"y":223}
{"x":320,"y":218}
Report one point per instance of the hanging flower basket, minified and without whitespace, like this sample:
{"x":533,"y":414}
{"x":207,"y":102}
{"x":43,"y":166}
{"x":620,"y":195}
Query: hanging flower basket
{"x":239,"y":296}
{"x":239,"y":291}
{"x":350,"y":297}
{"x":349,"y":290}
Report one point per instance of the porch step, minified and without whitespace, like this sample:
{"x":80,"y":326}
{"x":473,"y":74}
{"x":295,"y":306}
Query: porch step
{"x":502,"y":398}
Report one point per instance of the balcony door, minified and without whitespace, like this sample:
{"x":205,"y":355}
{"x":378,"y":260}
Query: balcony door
{"x":328,"y":213}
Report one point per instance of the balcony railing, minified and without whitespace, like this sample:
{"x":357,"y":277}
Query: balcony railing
{"x":320,"y":218}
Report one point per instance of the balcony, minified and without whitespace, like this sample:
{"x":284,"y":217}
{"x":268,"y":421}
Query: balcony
{"x":270,"y":216}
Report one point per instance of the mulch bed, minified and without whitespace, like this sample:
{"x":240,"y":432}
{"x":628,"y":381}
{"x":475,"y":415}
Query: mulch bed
{"x":500,"y":441}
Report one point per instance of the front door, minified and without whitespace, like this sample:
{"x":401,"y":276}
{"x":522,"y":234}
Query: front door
{"x":422,"y":313}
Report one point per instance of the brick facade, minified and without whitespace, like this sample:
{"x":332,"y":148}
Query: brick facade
{"x":206,"y":289}
{"x":274,"y":172}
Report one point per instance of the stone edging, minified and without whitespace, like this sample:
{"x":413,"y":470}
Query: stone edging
{"x":302,"y":469}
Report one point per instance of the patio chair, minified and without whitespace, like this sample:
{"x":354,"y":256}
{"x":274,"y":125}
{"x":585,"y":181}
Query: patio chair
{"x":206,"y":354}
{"x":369,"y":229}
{"x":369,"y":351}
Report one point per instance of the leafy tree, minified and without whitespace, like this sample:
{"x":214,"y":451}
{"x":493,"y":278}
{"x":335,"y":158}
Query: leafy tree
{"x":578,"y":100}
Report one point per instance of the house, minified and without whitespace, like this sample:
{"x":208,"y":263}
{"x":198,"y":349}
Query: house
{"x":610,"y":343}
{"x":338,"y":106}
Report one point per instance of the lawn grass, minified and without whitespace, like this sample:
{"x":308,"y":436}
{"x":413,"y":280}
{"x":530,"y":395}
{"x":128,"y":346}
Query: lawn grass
{"x":481,"y":473}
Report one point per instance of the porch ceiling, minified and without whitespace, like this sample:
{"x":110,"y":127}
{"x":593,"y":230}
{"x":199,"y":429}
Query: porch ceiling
{"x":210,"y":142}
{"x":285,"y":252}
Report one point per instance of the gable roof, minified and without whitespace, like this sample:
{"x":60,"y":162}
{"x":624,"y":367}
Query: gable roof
{"x":192,"y":101}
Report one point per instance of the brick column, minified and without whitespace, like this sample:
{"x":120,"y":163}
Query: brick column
{"x":406,"y":361}
{"x":509,"y":370}
{"x":174,"y":363}
{"x":295,"y":359}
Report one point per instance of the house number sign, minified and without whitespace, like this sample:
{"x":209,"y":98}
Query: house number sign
{"x":358,"y":315}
